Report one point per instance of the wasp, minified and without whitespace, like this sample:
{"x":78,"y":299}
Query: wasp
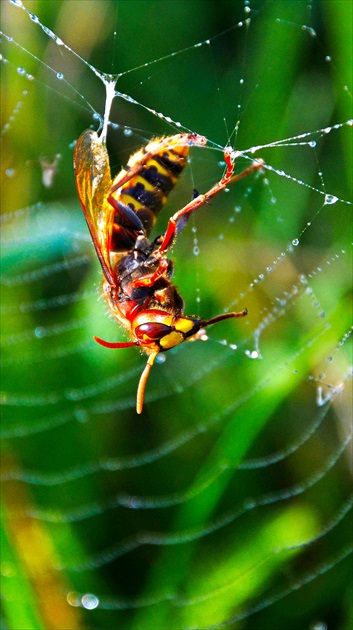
{"x":120,"y":215}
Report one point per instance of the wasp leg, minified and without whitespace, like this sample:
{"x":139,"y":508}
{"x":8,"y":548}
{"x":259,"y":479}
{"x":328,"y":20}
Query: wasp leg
{"x":202,"y":199}
{"x":150,"y":279}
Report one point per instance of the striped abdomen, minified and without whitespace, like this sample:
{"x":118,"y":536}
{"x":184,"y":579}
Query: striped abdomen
{"x":147,"y":191}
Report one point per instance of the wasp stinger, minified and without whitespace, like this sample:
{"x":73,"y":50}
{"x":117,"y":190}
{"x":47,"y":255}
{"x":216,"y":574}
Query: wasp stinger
{"x":120,"y":216}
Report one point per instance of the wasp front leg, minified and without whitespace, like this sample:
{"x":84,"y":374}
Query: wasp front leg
{"x":150,"y":279}
{"x":203,"y":199}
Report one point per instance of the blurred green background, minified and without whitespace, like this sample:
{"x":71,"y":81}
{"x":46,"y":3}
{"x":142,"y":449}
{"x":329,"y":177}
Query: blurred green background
{"x":180,"y":518}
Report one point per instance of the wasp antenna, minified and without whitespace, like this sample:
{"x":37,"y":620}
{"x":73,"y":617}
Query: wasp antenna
{"x":142,"y":384}
{"x":115,"y":344}
{"x":220,"y":318}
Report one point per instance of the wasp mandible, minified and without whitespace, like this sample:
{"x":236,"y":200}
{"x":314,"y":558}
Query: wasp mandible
{"x":120,"y":215}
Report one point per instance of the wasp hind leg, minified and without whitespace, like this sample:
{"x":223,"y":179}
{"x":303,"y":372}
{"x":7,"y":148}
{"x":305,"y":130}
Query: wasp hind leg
{"x":202,"y":199}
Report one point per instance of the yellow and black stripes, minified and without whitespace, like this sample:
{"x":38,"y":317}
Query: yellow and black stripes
{"x":147,"y":192}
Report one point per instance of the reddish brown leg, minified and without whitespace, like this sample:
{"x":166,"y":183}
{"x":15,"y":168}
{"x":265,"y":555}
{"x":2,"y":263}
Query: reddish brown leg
{"x":149,"y":281}
{"x":201,"y":200}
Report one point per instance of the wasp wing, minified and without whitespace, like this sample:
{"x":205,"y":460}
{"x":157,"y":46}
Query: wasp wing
{"x":93,"y":181}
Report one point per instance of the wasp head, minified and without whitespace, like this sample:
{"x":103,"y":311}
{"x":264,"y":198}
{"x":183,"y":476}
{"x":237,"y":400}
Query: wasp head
{"x":157,"y":330}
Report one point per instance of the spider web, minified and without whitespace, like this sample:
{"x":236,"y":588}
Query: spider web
{"x":228,"y":502}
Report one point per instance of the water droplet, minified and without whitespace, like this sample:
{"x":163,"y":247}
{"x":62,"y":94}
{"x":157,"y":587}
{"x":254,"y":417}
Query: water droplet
{"x":8,"y":569}
{"x":328,"y":58}
{"x":295,"y":242}
{"x":330,"y":199}
{"x":10,"y":172}
{"x":21,"y":70}
{"x":73,"y":599}
{"x":196,"y":250}
{"x":309,"y":30}
{"x":40,"y":332}
{"x":312,"y":143}
{"x":90,"y":601}
{"x":127,"y":131}
{"x":59,"y":75}
{"x":81,"y":415}
{"x":252,"y":354}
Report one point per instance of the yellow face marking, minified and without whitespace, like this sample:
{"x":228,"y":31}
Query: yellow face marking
{"x":171,"y":340}
{"x":184,"y":325}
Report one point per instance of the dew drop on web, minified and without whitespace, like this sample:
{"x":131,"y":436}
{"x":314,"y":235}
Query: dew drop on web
{"x":330,"y":200}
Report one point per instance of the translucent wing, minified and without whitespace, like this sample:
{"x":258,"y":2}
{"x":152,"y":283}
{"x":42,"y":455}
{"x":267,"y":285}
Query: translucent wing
{"x":93,"y":181}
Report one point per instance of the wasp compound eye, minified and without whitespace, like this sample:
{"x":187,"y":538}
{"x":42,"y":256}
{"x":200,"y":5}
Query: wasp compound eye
{"x":152,"y":331}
